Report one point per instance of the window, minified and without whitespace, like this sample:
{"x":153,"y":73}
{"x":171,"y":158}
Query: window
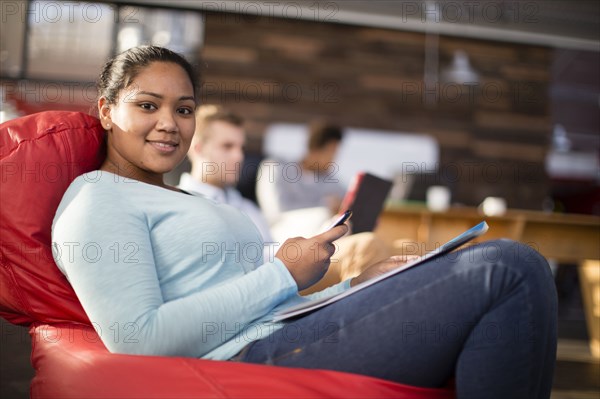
{"x":12,"y":26}
{"x":70,"y":41}
{"x":178,"y":30}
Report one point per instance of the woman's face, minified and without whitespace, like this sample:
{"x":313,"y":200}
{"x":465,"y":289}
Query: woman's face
{"x":151,"y":123}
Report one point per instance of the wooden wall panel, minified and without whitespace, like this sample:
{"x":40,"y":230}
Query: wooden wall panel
{"x":282,"y":70}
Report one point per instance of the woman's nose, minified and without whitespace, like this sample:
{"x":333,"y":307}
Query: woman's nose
{"x":166,"y":122}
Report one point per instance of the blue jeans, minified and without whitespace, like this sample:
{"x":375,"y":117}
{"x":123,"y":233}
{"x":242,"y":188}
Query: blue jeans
{"x":485,"y":315}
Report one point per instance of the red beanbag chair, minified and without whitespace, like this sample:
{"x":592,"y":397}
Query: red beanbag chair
{"x":40,"y":155}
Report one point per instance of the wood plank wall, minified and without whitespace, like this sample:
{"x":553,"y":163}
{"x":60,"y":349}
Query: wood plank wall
{"x":493,"y":136}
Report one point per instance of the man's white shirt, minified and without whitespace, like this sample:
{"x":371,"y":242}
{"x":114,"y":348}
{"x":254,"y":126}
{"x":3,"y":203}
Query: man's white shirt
{"x":232,"y":197}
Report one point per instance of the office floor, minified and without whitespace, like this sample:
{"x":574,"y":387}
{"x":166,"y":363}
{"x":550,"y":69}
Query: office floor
{"x":577,"y":374}
{"x":15,"y":367}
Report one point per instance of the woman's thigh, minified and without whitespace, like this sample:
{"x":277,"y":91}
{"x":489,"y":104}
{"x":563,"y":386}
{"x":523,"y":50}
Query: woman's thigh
{"x":412,"y":327}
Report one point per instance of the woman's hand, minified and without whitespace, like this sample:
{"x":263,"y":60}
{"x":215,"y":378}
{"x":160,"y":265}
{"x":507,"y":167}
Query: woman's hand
{"x":307,"y":259}
{"x":382,"y":267}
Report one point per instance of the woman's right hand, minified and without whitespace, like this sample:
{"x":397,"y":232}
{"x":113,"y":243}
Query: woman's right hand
{"x":307,"y":259}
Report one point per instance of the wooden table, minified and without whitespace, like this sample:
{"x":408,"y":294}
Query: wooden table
{"x":566,"y":238}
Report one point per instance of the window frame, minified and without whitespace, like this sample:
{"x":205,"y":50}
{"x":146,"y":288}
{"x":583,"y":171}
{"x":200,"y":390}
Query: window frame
{"x":117,"y":7}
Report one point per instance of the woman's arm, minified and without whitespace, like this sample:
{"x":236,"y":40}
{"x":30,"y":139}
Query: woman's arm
{"x":103,"y":246}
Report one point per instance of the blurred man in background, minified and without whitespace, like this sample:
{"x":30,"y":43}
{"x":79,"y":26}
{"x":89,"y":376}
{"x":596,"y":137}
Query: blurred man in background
{"x":311,"y":183}
{"x":217,"y":156}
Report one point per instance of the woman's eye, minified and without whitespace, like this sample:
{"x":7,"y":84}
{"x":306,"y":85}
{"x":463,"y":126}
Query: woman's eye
{"x":147,"y":106}
{"x":186,"y":111}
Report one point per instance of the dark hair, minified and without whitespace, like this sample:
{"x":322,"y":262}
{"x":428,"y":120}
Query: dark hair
{"x":121,"y":70}
{"x":322,"y":133}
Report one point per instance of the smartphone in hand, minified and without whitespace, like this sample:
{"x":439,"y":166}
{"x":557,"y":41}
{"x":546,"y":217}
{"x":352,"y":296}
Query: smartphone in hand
{"x":342,"y":219}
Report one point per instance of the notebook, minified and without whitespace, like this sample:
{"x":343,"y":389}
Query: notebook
{"x":366,"y":197}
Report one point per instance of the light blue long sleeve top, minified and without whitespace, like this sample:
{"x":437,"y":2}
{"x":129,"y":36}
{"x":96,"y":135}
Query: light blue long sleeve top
{"x":160,"y":272}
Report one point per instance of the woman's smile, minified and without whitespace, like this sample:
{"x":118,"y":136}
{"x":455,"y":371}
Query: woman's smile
{"x":165,"y":147}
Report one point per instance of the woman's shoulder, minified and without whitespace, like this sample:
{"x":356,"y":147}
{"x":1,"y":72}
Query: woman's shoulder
{"x":98,"y":185}
{"x":95,"y":182}
{"x":92,"y":188}
{"x":93,"y":196}
{"x":100,"y":180}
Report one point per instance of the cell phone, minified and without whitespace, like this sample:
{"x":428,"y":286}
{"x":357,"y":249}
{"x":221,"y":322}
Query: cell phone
{"x":342,"y":219}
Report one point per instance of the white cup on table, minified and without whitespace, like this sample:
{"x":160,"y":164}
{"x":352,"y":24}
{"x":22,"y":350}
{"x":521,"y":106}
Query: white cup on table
{"x":438,"y":198}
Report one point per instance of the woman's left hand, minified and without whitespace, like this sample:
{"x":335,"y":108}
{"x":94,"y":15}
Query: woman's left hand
{"x":382,"y":267}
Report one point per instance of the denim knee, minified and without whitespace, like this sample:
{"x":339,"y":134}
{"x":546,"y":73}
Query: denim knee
{"x":511,"y":253}
{"x":523,"y":259}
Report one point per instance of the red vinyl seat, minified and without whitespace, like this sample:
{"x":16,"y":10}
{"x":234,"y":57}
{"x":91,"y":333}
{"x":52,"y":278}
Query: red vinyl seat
{"x":40,"y":155}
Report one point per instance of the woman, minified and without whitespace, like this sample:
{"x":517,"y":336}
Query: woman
{"x":162,"y":272}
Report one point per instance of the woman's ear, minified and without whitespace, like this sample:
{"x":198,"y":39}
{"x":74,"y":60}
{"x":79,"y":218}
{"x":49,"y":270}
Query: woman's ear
{"x":104,"y":112}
